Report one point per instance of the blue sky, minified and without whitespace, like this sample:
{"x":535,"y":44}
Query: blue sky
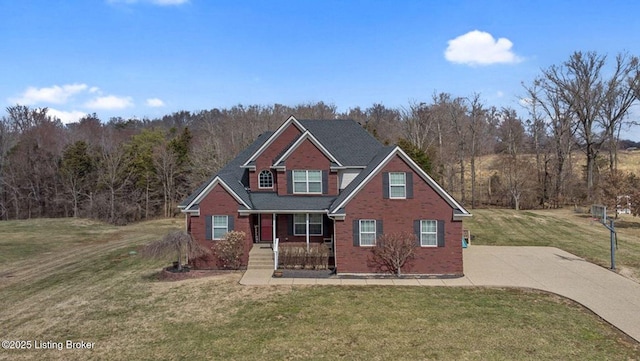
{"x":147,"y":58}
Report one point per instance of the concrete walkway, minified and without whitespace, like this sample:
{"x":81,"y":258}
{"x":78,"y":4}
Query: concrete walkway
{"x":613,"y":297}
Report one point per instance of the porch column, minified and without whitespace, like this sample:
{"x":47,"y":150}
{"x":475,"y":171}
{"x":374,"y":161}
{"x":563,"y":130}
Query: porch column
{"x":307,"y":221}
{"x":273,"y":227}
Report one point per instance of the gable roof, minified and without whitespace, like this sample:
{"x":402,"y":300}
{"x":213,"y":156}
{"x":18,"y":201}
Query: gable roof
{"x":272,"y":137}
{"x":377,"y":163}
{"x":378,"y":158}
{"x":231,"y":174}
{"x":298,"y":141}
{"x":344,"y":142}
{"x":347,"y":140}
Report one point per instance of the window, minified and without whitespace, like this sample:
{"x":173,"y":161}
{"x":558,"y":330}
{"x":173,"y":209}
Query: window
{"x":220,"y":226}
{"x":300,"y":224}
{"x":265,"y":179}
{"x":367,"y":232}
{"x":429,"y":233}
{"x":397,"y":185}
{"x":307,"y":181}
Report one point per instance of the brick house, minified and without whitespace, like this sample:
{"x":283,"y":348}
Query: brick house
{"x":329,"y":181}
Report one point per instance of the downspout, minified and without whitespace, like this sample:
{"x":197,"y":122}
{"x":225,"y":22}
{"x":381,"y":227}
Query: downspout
{"x":334,"y":244}
{"x":186,"y":229}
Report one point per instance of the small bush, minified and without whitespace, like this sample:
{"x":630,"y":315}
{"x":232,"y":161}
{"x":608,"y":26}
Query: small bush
{"x":393,"y":251}
{"x":231,"y":249}
{"x":175,"y":244}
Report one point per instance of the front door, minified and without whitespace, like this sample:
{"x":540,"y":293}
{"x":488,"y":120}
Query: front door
{"x":266,"y":228}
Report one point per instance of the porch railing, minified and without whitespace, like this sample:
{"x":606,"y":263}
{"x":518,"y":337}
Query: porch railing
{"x":276,"y":242}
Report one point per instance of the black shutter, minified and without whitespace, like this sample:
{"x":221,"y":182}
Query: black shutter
{"x":208,"y":227}
{"x":289,"y":182}
{"x":326,"y":225}
{"x":417,"y":230}
{"x":290,"y":224}
{"x":230,"y":223}
{"x":409,"y":180}
{"x":378,"y":228}
{"x":385,"y":185}
{"x":325,"y":182}
{"x":356,"y":232}
{"x":440,"y":233}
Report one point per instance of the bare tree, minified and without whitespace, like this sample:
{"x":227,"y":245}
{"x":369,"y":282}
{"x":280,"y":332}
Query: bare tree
{"x":596,"y":104}
{"x":419,"y":125}
{"x":516,"y":169}
{"x":114,"y":176}
{"x":382,"y":123}
{"x":478,"y":133}
{"x":546,"y":105}
{"x":459,"y":124}
{"x":393,"y":251}
{"x":166,"y":164}
{"x":77,"y":166}
{"x":621,"y":93}
{"x":318,"y":110}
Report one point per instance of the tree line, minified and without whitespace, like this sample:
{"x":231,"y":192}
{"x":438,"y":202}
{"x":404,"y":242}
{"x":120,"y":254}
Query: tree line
{"x":124,"y":170}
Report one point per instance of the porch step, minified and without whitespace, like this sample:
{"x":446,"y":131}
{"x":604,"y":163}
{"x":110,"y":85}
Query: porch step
{"x":260,"y":257}
{"x":257,"y":263}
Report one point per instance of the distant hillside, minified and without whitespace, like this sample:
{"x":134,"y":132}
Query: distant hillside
{"x":626,"y":143}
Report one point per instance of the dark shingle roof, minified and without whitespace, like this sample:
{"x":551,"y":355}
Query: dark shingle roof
{"x":382,"y":153}
{"x":232,"y":174}
{"x":272,"y":201}
{"x":351,"y":144}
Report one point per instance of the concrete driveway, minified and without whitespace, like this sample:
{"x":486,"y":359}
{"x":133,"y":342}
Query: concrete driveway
{"x":613,"y":297}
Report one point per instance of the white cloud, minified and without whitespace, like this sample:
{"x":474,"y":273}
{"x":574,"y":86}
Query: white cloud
{"x":499,"y":93}
{"x":155,"y":102}
{"x":109,"y":102}
{"x":480,"y":48}
{"x":169,"y":2}
{"x":525,"y":102}
{"x":53,"y":95}
{"x":154,"y":2}
{"x":66,"y":117}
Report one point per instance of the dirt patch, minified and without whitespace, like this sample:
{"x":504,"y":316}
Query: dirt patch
{"x":628,"y":273}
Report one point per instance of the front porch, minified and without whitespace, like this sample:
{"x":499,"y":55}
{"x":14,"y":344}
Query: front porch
{"x":293,"y":228}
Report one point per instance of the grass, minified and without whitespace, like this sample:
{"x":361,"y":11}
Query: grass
{"x":88,"y":287}
{"x":563,"y":228}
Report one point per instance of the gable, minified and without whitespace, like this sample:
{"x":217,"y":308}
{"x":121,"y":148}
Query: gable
{"x":277,"y":143}
{"x":420,"y":199}
{"x":219,"y":200}
{"x":375,"y":169}
{"x":305,"y":143}
{"x":209,"y":192}
{"x":306,"y":155}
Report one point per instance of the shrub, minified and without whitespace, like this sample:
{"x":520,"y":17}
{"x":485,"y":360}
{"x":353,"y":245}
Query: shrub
{"x":393,"y":251}
{"x":291,"y":256}
{"x":176,"y":244}
{"x":231,"y":249}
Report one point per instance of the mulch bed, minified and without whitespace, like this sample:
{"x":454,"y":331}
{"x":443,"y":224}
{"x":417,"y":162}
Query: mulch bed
{"x":300,"y":273}
{"x":167,"y":274}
